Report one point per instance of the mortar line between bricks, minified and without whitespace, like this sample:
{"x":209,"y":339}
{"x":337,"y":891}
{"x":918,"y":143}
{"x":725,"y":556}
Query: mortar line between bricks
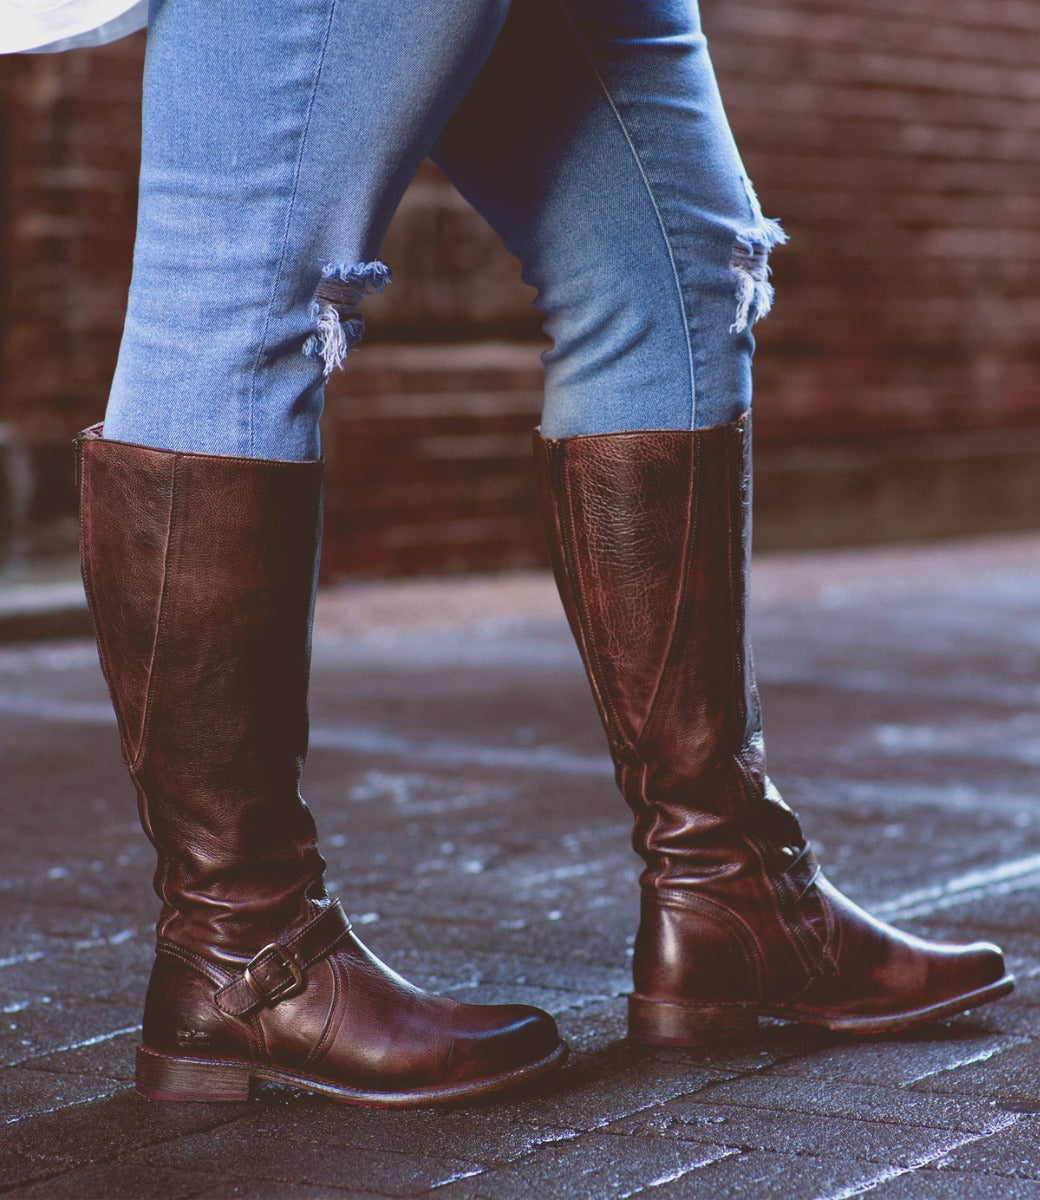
{"x":779,"y":1068}
{"x":77,"y":947}
{"x":38,"y":1180}
{"x":747,"y":1147}
{"x":101,"y":1162}
{"x":673,"y":1176}
{"x":890,"y":1173}
{"x":548,"y":1142}
{"x":901,"y":1121}
{"x":980,"y":1056}
{"x":83,"y":1044}
{"x":603,"y":1126}
{"x":481,"y":1170}
{"x":572,"y":1134}
{"x":201,"y":1169}
{"x":47,"y":1072}
{"x":120,"y":1086}
{"x":484,"y":1168}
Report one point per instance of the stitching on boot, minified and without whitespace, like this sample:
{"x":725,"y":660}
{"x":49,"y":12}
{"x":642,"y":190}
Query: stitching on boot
{"x":211,"y":972}
{"x":146,"y":714}
{"x":726,"y":919}
{"x":340,"y":987}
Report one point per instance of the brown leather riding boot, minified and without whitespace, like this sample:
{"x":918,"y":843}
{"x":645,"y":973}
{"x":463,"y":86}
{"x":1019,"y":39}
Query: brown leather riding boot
{"x":200,"y":575}
{"x":650,"y":536}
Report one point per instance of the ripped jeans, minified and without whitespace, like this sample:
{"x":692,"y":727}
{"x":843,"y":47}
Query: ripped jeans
{"x":278,"y":139}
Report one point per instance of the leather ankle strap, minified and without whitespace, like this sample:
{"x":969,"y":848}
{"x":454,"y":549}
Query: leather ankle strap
{"x":278,"y":971}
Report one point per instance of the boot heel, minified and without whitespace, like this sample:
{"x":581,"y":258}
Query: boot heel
{"x":667,"y":1023}
{"x":162,"y":1078}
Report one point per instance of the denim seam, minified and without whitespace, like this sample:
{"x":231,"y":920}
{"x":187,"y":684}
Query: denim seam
{"x":650,"y":193}
{"x":289,"y":215}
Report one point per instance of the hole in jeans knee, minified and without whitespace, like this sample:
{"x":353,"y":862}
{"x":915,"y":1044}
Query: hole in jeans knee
{"x":338,"y":326}
{"x":749,"y":263}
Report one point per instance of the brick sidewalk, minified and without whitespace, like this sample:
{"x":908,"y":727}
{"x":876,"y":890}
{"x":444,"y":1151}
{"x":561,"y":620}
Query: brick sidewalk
{"x":459,"y":777}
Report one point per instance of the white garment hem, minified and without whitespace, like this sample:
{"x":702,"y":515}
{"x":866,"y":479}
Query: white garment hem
{"x":67,"y":24}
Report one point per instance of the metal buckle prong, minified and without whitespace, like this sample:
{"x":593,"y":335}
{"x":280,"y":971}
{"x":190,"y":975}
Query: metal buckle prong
{"x":289,"y":988}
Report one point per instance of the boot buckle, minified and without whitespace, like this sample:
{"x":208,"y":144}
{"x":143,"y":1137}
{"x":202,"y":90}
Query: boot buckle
{"x":271,"y":991}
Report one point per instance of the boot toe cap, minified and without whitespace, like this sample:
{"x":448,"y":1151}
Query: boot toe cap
{"x":500,"y":1038}
{"x":978,"y":965}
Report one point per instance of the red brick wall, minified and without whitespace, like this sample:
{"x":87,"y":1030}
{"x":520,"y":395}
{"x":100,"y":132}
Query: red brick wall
{"x":69,"y":187}
{"x":896,"y":139}
{"x":899,"y":141}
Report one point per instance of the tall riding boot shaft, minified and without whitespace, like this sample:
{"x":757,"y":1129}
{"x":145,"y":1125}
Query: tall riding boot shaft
{"x":650,"y":539}
{"x":200,"y":574}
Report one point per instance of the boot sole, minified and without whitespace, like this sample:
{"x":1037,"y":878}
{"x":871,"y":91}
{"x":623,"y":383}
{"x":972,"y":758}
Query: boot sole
{"x":671,"y":1023}
{"x":164,"y":1077}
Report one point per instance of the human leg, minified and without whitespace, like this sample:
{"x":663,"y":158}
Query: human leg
{"x":595,"y":143}
{"x":277,"y":141}
{"x":201,"y":524}
{"x":644,"y":461}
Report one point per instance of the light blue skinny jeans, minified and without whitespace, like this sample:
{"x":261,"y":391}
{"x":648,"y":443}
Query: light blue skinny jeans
{"x":279,"y":136}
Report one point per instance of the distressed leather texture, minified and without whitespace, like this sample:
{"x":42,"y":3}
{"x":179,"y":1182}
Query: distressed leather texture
{"x":200,"y":574}
{"x":649,"y":535}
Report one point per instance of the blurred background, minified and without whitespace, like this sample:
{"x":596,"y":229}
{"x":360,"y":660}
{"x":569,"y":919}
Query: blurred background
{"x":898,"y":378}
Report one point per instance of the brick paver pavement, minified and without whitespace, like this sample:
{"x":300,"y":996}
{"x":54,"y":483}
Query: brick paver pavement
{"x":459,"y":777}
